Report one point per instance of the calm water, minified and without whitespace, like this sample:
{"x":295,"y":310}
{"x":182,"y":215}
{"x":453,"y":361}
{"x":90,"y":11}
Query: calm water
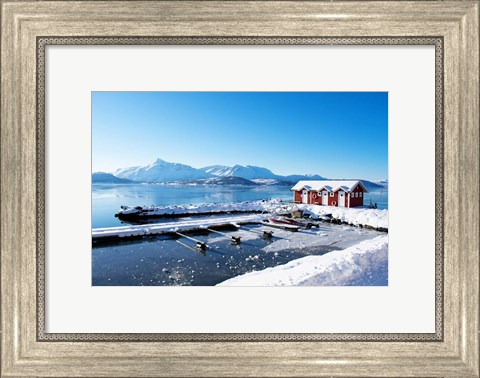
{"x":160,"y":261}
{"x":107,"y":198}
{"x":379,"y":196}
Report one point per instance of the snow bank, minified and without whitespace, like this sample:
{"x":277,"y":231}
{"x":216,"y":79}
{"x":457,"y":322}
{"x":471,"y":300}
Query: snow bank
{"x":364,"y":264}
{"x":204,"y":208}
{"x":355,"y":216}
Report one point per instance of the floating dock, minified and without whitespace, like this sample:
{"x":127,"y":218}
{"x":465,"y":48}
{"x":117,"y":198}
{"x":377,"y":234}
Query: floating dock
{"x":172,"y":228}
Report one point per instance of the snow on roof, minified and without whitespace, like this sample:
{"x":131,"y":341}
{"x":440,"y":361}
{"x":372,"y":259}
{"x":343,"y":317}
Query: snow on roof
{"x":330,"y":185}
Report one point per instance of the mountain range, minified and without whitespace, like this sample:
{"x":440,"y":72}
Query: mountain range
{"x":161,"y":171}
{"x":108,"y":178}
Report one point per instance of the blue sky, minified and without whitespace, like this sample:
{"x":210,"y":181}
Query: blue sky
{"x":333,"y":134}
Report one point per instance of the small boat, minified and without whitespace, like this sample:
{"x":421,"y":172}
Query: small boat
{"x":283,"y":226}
{"x":128,"y":212}
{"x":293,"y":222}
{"x":280,"y":220}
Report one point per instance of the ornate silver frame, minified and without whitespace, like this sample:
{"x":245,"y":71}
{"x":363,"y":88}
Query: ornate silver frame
{"x":453,"y":350}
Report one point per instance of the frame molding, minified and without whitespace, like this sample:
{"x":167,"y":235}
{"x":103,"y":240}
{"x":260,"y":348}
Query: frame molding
{"x":453,"y":26}
{"x":43,"y":42}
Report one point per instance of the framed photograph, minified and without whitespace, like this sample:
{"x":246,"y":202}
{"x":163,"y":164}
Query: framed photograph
{"x":240,"y":188}
{"x":245,"y":224}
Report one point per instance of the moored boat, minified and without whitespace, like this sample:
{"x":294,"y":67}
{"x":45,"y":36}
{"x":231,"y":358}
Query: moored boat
{"x":293,"y":222}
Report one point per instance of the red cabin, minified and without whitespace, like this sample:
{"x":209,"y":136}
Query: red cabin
{"x":342,"y":193}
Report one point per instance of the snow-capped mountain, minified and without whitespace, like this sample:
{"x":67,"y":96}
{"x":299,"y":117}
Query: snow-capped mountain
{"x":216,"y":170}
{"x":221,"y":181}
{"x":383,"y":183}
{"x":248,"y":172}
{"x":270,"y":182}
{"x":162,"y":171}
{"x":107,"y":178}
{"x":302,"y":177}
{"x":371,"y":185}
{"x":257,"y":174}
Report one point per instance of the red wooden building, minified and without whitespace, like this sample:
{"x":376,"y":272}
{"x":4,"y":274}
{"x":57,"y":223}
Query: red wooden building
{"x":342,"y":193}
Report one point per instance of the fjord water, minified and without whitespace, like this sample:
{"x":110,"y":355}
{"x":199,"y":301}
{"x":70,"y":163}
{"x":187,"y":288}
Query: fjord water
{"x":160,"y":261}
{"x":165,"y":261}
{"x":107,"y":198}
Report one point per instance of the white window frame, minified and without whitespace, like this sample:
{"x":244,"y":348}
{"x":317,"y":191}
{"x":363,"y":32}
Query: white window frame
{"x":360,"y":194}
{"x":331,"y":194}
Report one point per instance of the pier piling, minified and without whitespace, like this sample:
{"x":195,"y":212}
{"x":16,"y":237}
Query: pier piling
{"x":265,"y":234}
{"x":233,"y":239}
{"x":202,"y":251}
{"x":199,"y":244}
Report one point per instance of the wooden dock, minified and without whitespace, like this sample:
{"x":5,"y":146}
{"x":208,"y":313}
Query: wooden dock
{"x":172,"y":228}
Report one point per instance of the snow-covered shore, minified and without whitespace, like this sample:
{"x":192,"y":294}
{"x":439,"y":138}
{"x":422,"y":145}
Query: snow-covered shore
{"x":364,"y":217}
{"x":364,"y":264}
{"x":355,"y":216}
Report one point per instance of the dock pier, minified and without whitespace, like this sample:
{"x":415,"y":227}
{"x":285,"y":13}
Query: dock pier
{"x":234,"y":239}
{"x":123,"y":233}
{"x":199,"y":244}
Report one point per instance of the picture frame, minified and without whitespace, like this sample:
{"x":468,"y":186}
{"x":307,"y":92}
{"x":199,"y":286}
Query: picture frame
{"x":27,"y":351}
